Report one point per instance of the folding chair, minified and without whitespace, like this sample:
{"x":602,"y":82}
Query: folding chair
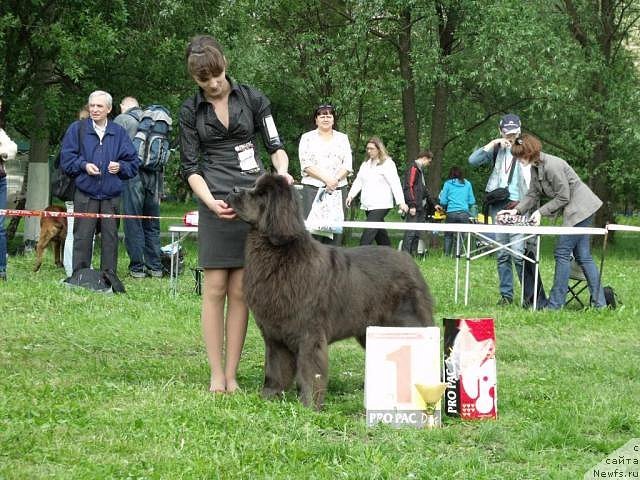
{"x":577,"y":284}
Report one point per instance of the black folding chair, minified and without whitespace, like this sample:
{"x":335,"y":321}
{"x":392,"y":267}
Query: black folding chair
{"x":577,"y":284}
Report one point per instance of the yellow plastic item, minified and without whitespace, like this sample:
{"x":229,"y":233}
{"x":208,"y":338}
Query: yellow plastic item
{"x":481,"y":219}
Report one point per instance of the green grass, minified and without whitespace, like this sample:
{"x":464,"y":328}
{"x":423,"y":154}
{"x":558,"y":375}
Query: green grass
{"x":97,"y":386}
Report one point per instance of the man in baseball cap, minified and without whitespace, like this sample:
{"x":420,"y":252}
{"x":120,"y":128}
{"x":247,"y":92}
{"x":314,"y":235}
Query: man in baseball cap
{"x":498,"y":153}
{"x":510,"y":125}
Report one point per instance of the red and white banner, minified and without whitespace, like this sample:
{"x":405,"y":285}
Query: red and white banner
{"x":8,"y":212}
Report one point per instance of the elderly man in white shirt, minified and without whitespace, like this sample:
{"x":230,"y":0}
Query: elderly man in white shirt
{"x":379,"y":185}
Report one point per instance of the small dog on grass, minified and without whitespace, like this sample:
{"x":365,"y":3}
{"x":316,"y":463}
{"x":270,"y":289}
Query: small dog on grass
{"x":305,"y":295}
{"x":53,"y":230}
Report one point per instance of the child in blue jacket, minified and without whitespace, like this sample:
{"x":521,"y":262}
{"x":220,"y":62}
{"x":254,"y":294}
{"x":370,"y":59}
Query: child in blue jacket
{"x":456,"y":198}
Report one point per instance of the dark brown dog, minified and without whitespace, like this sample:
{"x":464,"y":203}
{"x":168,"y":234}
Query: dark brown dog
{"x":305,"y":295}
{"x":52,"y":231}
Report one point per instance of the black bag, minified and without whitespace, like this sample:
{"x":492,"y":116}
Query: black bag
{"x":611,"y":297}
{"x":63,"y":186}
{"x":528,"y":283}
{"x":497,"y":196}
{"x":112,"y":279}
{"x":101,"y":282}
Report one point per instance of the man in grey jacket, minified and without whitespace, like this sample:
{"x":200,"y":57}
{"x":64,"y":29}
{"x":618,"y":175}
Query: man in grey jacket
{"x":498,"y":152}
{"x":141,"y":196}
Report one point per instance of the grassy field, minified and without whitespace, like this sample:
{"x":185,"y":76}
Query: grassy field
{"x":96,"y":386}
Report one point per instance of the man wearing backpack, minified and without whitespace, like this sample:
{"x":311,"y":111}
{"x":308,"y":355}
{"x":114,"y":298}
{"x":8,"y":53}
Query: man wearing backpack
{"x":148,"y":131}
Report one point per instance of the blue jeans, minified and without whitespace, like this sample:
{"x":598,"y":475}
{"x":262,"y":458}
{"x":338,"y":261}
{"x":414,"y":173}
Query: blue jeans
{"x":3,"y":232}
{"x":580,"y":246}
{"x":453,"y":217}
{"x":141,"y":196}
{"x":504,"y":258}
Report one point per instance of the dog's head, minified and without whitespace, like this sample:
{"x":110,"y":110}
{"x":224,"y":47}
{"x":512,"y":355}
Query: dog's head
{"x":271,"y":207}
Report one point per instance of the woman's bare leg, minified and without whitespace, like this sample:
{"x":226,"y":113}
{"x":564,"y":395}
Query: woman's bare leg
{"x":214,"y":294}
{"x":236,"y":328}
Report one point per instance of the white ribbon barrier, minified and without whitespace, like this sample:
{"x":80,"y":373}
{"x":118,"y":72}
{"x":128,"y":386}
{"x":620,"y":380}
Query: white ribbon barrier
{"x":622,"y":228}
{"x":481,"y":231}
{"x":477,"y":229}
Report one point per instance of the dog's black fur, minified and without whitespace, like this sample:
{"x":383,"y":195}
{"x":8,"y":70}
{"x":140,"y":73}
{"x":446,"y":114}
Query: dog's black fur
{"x":305,"y":295}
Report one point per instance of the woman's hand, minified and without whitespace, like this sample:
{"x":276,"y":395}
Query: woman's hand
{"x":535,"y":218}
{"x":331,"y":184}
{"x":348,"y":201}
{"x":222,"y":210}
{"x":288,"y":177}
{"x":404,"y":207}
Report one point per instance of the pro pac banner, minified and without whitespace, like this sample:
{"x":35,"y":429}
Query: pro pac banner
{"x":470,"y":368}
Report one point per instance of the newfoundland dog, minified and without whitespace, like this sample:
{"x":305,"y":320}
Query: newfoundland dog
{"x":305,"y":295}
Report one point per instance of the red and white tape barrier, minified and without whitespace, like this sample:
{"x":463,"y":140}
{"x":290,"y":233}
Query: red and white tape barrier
{"x":8,"y":212}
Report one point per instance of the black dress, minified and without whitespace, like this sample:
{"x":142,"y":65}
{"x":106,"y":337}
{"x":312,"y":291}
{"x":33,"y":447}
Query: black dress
{"x":225,"y":157}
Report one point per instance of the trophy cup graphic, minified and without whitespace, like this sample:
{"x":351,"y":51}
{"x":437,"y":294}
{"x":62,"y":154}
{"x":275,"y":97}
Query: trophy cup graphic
{"x":431,"y":394}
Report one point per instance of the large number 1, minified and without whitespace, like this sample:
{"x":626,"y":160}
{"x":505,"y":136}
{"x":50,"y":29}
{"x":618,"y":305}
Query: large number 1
{"x":402,"y":358}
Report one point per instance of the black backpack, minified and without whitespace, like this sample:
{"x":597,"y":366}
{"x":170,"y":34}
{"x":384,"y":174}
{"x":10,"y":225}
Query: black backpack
{"x":63,"y":186}
{"x":611,"y":297}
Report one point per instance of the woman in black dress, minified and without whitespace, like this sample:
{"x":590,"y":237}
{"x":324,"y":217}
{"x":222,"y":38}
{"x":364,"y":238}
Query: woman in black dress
{"x":219,"y":127}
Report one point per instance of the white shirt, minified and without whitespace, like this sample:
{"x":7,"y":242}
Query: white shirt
{"x":380,"y":185}
{"x":330,"y":156}
{"x":100,"y":130}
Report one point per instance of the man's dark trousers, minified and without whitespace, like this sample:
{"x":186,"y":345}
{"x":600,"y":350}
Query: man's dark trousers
{"x":85,"y":228}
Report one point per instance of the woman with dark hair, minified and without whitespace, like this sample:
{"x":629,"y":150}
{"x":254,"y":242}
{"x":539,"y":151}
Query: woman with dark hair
{"x":379,"y":183}
{"x":219,"y":127}
{"x":456,"y":198}
{"x":552,"y":177}
{"x":325,"y":162}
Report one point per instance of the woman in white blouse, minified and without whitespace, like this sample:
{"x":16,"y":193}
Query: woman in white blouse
{"x":380,"y":185}
{"x":325,"y":162}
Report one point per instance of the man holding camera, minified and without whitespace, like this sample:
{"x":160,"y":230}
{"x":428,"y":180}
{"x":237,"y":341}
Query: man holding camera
{"x":507,"y":184}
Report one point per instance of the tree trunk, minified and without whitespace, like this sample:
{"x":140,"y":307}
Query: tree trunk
{"x":599,"y":182}
{"x":38,"y":178}
{"x":447,"y":23}
{"x":409,"y":113}
{"x":438,"y":133}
